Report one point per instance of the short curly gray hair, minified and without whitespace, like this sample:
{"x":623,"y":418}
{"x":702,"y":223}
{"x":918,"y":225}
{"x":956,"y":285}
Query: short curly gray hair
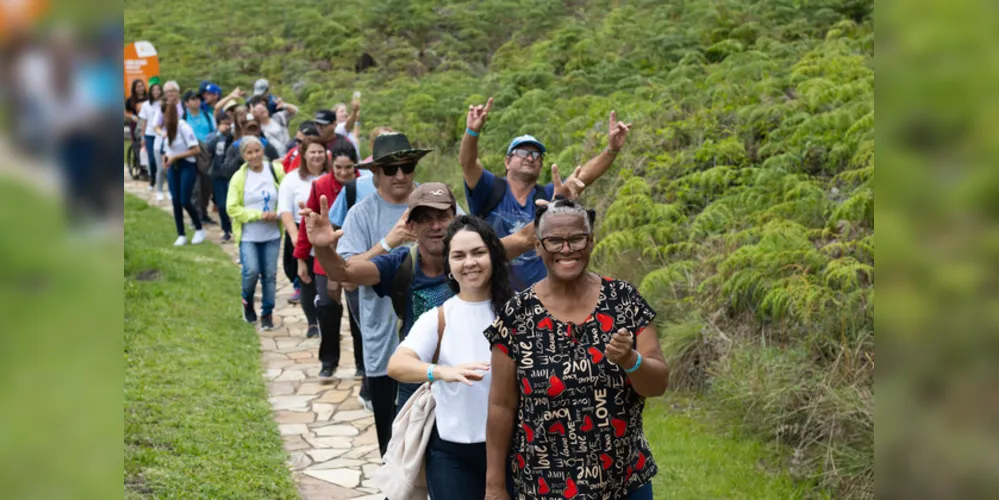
{"x":247,"y":141}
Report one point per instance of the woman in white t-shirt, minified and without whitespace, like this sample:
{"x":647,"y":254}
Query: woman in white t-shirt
{"x":149,"y":118}
{"x":252,"y":205}
{"x":295,"y":189}
{"x":179,"y":148}
{"x":478,"y":271}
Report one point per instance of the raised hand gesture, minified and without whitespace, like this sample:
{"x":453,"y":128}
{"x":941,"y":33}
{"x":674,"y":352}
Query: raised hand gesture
{"x":572,"y":186}
{"x":477,"y":115}
{"x":317,"y":226}
{"x":618,"y":132}
{"x":400,"y":233}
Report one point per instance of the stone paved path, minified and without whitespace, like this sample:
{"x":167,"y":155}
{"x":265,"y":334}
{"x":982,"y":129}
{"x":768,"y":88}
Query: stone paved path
{"x":329,"y":436}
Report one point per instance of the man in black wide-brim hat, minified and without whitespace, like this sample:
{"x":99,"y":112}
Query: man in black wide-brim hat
{"x":375,"y":226}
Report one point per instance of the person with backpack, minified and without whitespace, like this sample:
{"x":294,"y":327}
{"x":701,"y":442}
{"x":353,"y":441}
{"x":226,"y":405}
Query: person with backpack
{"x":218,"y":143}
{"x":506,"y":202}
{"x":314,"y":282}
{"x":252,"y":204}
{"x":409,"y":280}
{"x":203,"y":124}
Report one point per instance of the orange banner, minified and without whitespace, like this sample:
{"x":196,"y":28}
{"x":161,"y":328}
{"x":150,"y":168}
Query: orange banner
{"x":142,"y":62}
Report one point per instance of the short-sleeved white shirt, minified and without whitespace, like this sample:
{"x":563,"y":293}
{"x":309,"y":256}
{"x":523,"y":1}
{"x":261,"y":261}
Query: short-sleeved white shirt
{"x":461,"y":409}
{"x":152,"y":113}
{"x":184,"y":140}
{"x":293,"y":190}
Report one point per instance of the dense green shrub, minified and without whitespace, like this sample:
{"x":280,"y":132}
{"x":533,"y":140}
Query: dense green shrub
{"x":743,"y":203}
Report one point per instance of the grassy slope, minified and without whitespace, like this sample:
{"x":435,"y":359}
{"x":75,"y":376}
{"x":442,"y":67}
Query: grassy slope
{"x":197,"y":422}
{"x":697,"y":460}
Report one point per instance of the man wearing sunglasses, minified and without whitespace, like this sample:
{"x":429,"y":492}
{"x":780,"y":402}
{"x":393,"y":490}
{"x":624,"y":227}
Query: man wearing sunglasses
{"x":507,"y":203}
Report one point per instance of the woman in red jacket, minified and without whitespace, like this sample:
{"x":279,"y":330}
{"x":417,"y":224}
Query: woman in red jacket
{"x":329,"y":308}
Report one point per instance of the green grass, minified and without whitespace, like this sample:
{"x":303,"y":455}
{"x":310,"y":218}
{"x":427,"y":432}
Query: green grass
{"x":197,"y":421}
{"x":698,"y":459}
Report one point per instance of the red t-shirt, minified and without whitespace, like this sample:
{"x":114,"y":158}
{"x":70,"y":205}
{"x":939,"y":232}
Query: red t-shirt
{"x":325,"y":185}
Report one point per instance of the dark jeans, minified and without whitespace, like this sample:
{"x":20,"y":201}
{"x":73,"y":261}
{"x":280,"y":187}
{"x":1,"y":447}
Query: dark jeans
{"x":150,"y":142}
{"x":180,"y":179}
{"x":288,"y":260}
{"x":221,"y":188}
{"x":309,"y":295}
{"x":329,"y":313}
{"x":355,"y":329}
{"x":643,"y":493}
{"x":405,"y":392}
{"x":382,"y":391}
{"x":455,"y":471}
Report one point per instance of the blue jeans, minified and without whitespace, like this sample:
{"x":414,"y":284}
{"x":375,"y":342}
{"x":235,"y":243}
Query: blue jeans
{"x":221,"y":190}
{"x":259,"y":259}
{"x":642,"y":493}
{"x":455,"y":471}
{"x":150,"y":143}
{"x":180,"y":179}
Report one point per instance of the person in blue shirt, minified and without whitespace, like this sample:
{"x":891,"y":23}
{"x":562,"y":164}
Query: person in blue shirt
{"x":194,"y":115}
{"x":210,"y":95}
{"x":507,"y":202}
{"x":431,"y":207}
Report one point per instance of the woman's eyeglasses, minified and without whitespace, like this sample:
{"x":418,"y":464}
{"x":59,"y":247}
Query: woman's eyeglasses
{"x":391,"y":170}
{"x":524,"y":153}
{"x":554,"y":244}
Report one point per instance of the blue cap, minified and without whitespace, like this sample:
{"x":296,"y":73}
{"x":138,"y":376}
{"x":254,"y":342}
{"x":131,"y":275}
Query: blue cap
{"x":203,"y":85}
{"x":211,"y":88}
{"x":525,"y":139}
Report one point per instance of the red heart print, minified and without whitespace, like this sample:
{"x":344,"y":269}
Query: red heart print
{"x":606,"y":322}
{"x":543,"y":486}
{"x":520,"y":461}
{"x":557,"y":427}
{"x":606,"y":460}
{"x":619,"y":426}
{"x":570,"y":489}
{"x":527,"y":387}
{"x":555,"y":386}
{"x":628,"y":474}
{"x":639,"y":332}
{"x":546,"y":324}
{"x":529,"y":433}
{"x":587,"y":424}
{"x":595,"y":355}
{"x":641,"y":461}
{"x":607,"y":279}
{"x":502,"y":348}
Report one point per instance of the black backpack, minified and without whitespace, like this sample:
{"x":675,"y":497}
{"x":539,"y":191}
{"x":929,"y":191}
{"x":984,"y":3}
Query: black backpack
{"x":400,"y":287}
{"x":500,"y":187}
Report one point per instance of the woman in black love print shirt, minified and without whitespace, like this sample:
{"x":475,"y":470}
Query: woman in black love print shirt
{"x":573,"y":359}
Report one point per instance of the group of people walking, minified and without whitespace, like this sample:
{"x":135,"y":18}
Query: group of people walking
{"x":538,"y":368}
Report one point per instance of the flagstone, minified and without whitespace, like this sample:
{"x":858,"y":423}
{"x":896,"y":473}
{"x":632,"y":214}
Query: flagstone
{"x":294,"y":417}
{"x":348,"y":478}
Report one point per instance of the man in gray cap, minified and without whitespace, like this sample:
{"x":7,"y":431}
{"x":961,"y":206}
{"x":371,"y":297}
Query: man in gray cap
{"x":263,"y":88}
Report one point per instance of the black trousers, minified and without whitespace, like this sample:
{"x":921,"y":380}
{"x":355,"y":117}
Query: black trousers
{"x":329,"y":312}
{"x":289,"y":262}
{"x":202,"y":193}
{"x":355,"y":328}
{"x":382,"y":391}
{"x":309,"y":294}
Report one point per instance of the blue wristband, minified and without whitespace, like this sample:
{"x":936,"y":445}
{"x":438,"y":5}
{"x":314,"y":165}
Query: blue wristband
{"x":430,"y":372}
{"x":470,"y":132}
{"x":637,"y":364}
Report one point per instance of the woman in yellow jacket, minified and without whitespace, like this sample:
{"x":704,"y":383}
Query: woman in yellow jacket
{"x":252,"y":206}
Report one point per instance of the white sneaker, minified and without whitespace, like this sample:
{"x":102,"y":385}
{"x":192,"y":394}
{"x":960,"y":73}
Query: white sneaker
{"x":151,"y":188}
{"x":199,"y":236}
{"x":181,"y":241}
{"x":159,"y":196}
